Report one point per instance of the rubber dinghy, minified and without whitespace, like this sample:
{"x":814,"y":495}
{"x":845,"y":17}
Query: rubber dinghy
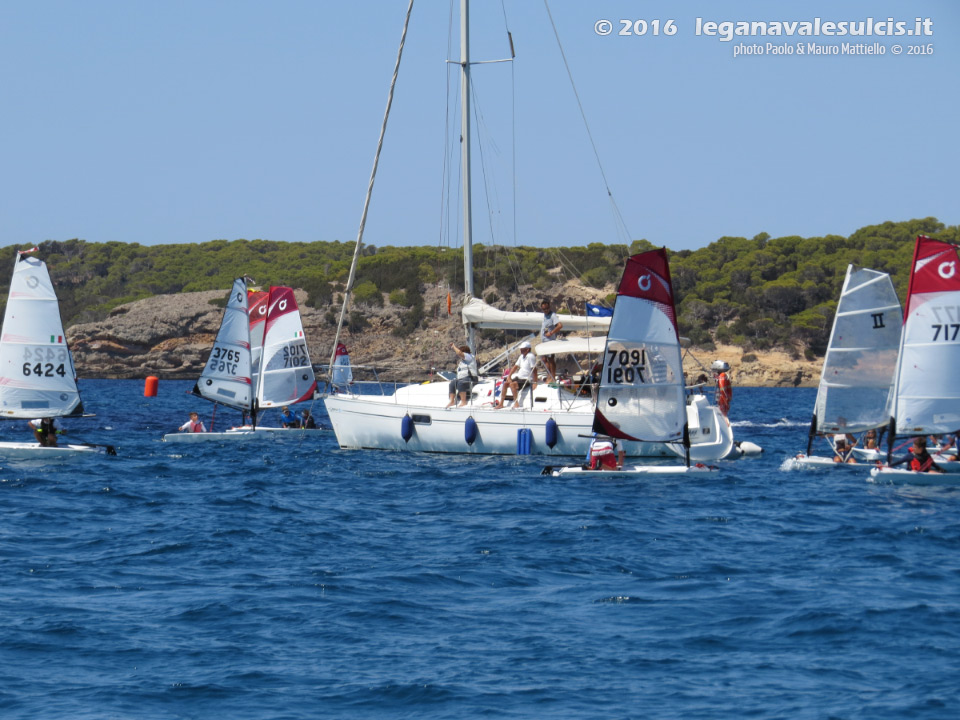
{"x":856,"y":383}
{"x":37,"y":377}
{"x":641,"y":395}
{"x":926,"y":401}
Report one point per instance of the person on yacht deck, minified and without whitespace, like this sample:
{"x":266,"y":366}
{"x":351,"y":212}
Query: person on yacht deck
{"x":549,"y":330}
{"x":466,"y":375}
{"x":524,"y":375}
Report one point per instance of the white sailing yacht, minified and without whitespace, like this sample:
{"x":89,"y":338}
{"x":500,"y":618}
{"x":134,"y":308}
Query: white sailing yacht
{"x":856,"y":383}
{"x":37,"y":377}
{"x":641,"y":394}
{"x":926,"y":400}
{"x":557,"y":419}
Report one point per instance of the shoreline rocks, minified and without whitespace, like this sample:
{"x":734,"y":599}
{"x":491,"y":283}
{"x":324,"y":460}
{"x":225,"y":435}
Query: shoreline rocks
{"x":170,"y":336}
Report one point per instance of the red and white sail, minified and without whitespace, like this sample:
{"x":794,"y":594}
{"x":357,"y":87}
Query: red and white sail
{"x":37,"y":378}
{"x":927,"y":397}
{"x":226,"y":376}
{"x":257,"y":309}
{"x":641,"y":394}
{"x":286,"y":373}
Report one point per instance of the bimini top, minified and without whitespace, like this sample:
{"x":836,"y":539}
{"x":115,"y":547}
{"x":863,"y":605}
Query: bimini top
{"x":479,"y":314}
{"x":573,"y":346}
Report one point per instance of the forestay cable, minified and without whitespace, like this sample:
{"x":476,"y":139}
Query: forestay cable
{"x":366,"y":202}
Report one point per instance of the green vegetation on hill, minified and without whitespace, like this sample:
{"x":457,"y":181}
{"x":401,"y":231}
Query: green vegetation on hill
{"x":758,"y":293}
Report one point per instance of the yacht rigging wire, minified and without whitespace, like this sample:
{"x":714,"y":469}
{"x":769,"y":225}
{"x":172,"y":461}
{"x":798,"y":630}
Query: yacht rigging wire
{"x":366,"y":202}
{"x":616,"y":210}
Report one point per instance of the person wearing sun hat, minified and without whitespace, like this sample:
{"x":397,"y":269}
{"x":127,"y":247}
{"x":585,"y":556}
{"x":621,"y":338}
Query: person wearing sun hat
{"x":524,"y":373}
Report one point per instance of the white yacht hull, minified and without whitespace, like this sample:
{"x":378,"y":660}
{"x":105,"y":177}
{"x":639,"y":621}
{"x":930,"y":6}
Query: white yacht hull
{"x":376,"y":422}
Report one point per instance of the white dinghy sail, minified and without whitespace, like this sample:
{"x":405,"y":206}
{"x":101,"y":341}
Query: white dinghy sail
{"x":856,"y":383}
{"x":925,"y":401}
{"x":37,"y":377}
{"x":226,"y":377}
{"x":642,"y":396}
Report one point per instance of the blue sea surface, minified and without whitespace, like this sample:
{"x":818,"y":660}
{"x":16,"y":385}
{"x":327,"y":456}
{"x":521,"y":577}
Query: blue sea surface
{"x":290,"y":579}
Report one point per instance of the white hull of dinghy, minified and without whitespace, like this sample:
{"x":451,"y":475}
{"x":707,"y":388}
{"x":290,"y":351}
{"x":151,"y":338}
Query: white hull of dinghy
{"x":36,"y":451}
{"x":816,"y":462}
{"x":898,"y":476}
{"x":632,"y":470}
{"x":869,"y":455}
{"x":259,"y":429}
{"x":203,"y":437}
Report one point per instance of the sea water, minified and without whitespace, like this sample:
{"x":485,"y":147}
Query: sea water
{"x":286,"y":578}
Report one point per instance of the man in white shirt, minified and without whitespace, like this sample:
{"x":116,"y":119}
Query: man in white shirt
{"x":524,"y":374}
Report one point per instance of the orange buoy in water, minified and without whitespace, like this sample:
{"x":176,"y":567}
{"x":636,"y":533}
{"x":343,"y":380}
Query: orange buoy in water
{"x":150,"y":387}
{"x":449,"y":305}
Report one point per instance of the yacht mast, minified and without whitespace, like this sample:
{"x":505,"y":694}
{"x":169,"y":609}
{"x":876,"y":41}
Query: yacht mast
{"x":465,"y":156}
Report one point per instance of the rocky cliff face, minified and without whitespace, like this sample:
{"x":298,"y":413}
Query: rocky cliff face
{"x":170,"y":336}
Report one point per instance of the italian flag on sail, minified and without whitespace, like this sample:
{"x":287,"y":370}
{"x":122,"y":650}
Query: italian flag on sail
{"x":56,"y":339}
{"x":298,"y":334}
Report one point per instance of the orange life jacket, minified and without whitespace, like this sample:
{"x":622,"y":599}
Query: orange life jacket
{"x":724,"y":393}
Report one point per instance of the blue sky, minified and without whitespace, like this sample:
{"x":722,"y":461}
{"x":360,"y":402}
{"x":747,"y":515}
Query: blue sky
{"x":176,"y":121}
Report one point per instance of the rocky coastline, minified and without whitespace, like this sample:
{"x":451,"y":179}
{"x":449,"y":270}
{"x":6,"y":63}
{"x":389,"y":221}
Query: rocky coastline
{"x":169,"y":336}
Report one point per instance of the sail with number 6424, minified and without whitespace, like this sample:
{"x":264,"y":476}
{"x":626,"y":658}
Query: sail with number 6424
{"x":37,"y":378}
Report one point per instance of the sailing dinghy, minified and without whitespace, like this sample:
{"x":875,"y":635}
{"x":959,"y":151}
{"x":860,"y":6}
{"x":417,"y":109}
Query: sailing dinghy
{"x":856,"y":384}
{"x":37,"y":378}
{"x":926,"y":401}
{"x":283,"y":373}
{"x":641,"y":396}
{"x":226,"y":378}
